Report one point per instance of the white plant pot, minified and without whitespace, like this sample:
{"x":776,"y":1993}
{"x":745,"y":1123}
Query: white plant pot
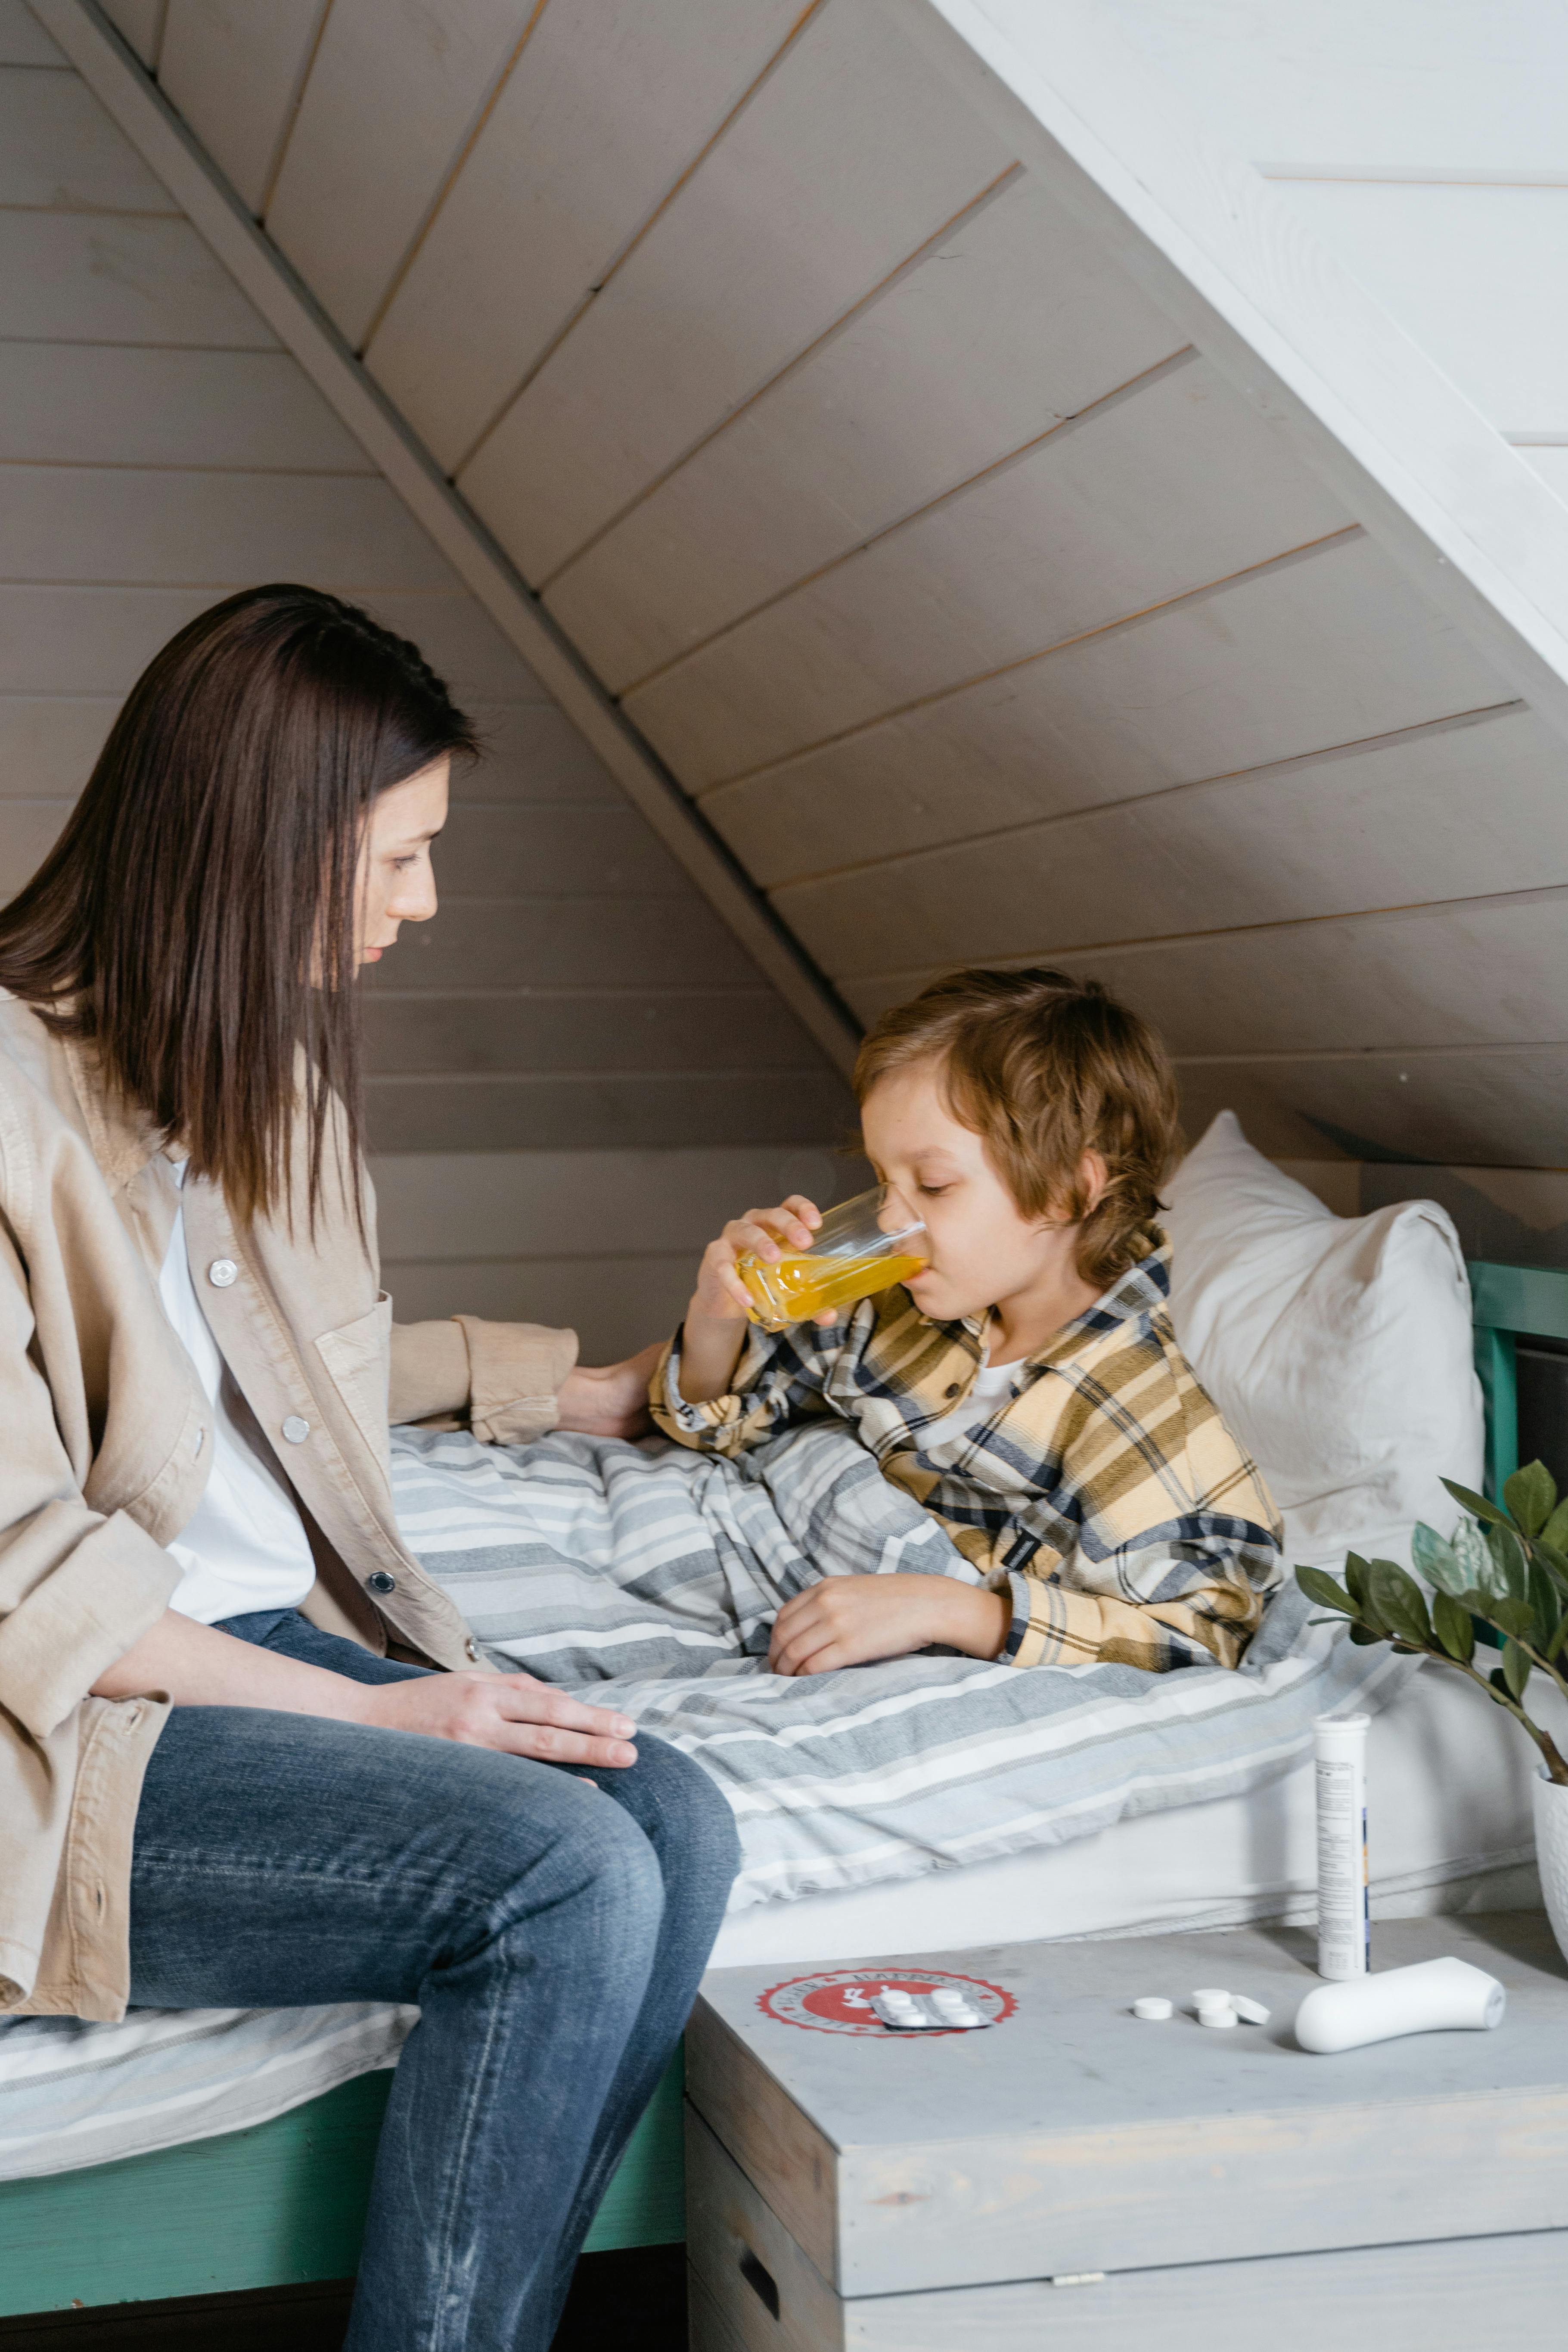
{"x":1552,"y":1853}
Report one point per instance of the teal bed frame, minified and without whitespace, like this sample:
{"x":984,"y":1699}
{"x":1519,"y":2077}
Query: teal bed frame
{"x":284,"y":2204}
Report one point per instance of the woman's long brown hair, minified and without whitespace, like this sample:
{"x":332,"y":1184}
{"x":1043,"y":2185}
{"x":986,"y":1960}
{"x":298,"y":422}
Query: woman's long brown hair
{"x":196,"y":920}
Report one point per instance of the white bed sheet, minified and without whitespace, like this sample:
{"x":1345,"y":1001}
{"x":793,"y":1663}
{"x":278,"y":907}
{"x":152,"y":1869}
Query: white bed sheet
{"x":1449,"y":1828}
{"x":1450,"y":1819}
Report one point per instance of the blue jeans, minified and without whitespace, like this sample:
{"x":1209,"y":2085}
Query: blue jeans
{"x":552,"y":1933}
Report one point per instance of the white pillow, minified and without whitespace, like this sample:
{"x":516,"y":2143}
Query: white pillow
{"x":1339,"y":1349}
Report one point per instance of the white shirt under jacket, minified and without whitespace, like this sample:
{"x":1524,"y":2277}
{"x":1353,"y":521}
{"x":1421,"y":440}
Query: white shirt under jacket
{"x":246,"y":1548}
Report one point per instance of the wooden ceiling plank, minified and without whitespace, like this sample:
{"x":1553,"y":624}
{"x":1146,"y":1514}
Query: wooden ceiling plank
{"x":129,"y":523}
{"x":1402,"y":87}
{"x":57,"y":149}
{"x":393,"y":91}
{"x":48,"y":742}
{"x":1302,"y":339}
{"x":140,"y":23}
{"x":537,"y":662}
{"x":1167,"y":487}
{"x":603,"y":113}
{"x":1477,"y":808}
{"x":22,"y":40}
{"x":115,"y":406}
{"x":1480,"y":1110}
{"x":849,"y":156}
{"x":1466,"y":270}
{"x":1325,"y":646}
{"x":105,"y":277}
{"x":234,"y":72}
{"x":998,"y":332}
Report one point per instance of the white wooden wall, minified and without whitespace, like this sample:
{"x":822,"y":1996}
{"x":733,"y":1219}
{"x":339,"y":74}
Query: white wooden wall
{"x":973,"y":604}
{"x":1427,"y":141}
{"x":575,"y":1070}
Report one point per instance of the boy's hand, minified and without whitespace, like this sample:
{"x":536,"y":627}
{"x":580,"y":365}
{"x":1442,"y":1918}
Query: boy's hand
{"x":721,"y":1297}
{"x":845,"y":1620}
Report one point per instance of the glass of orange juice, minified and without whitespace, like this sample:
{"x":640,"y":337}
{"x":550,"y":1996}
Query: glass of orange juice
{"x":860,"y":1247}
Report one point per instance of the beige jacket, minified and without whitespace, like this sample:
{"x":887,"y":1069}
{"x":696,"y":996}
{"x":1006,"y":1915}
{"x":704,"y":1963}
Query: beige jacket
{"x":103,"y":1457}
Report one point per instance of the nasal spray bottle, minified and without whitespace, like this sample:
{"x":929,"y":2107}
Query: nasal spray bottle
{"x":1344,"y":1921}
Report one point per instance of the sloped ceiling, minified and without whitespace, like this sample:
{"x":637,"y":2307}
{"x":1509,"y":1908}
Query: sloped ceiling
{"x":1017,"y":543}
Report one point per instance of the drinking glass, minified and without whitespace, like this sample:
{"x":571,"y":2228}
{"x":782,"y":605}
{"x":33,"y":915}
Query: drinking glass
{"x":856,"y":1252}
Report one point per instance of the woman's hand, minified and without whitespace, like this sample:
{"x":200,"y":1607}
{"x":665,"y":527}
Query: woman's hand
{"x":845,"y":1620}
{"x":511,"y":1712}
{"x":608,"y":1399}
{"x":201,"y":1665}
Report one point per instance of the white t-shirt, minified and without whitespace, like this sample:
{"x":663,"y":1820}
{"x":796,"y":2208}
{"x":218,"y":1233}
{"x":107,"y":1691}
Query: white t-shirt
{"x":993,"y":1384}
{"x":246,"y":1548}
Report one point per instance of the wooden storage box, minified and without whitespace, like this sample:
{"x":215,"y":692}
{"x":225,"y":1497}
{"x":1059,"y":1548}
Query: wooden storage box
{"x":1073,"y":2177}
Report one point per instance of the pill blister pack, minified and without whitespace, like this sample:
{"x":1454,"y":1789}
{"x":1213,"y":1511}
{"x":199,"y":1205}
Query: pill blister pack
{"x":946,"y":2010}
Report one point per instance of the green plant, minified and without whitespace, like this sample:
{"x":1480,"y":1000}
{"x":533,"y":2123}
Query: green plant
{"x":1507,"y":1568}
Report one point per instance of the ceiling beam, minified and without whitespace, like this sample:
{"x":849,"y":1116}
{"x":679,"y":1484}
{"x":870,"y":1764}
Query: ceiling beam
{"x":116,"y":76}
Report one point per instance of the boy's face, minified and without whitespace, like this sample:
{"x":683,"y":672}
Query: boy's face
{"x":984,"y":1251}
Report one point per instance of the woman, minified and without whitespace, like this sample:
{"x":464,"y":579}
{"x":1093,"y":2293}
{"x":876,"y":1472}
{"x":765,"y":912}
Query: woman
{"x":230,"y":1771}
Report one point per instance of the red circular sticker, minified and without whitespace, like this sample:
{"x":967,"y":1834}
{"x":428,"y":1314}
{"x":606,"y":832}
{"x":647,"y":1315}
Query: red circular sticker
{"x":838,"y":2001}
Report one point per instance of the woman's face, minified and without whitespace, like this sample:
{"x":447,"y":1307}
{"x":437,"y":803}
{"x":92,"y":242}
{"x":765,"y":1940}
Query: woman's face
{"x":396,"y":883}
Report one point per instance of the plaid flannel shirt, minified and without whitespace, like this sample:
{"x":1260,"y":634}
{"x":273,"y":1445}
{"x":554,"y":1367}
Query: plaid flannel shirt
{"x":1107,"y":1497}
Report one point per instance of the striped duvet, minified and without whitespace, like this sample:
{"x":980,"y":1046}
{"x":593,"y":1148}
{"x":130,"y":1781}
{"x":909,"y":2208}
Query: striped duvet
{"x":648,"y":1576}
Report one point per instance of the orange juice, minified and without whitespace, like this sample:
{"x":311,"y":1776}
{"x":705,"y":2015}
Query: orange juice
{"x":796,"y":1286}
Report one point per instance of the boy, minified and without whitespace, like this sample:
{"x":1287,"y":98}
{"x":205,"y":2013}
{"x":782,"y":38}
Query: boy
{"x":1026,"y":1388}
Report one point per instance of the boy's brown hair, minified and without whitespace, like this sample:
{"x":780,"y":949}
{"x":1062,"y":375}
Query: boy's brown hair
{"x":1044,"y":1069}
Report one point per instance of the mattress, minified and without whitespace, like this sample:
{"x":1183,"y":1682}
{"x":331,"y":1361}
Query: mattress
{"x":1449,"y":1828}
{"x":1449,"y":1807}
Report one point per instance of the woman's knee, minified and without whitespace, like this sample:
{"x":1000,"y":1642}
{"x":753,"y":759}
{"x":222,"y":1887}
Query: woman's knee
{"x":683,"y":1810}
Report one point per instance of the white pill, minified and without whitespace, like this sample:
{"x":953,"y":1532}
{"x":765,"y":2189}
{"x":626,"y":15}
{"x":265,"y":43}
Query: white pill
{"x":1210,"y":1993}
{"x":949,"y":1997}
{"x":1252,"y":2011}
{"x":1154,"y":2007}
{"x":1213,"y":2015}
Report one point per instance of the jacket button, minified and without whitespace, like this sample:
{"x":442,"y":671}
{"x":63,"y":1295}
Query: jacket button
{"x":295,"y":1430}
{"x":222,"y":1272}
{"x":379,"y":1581}
{"x":471,"y":1648}
{"x":953,"y":1388}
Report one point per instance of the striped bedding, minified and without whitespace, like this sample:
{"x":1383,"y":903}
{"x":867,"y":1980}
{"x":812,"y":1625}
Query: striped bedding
{"x":74,"y":2094}
{"x":647,"y":1577}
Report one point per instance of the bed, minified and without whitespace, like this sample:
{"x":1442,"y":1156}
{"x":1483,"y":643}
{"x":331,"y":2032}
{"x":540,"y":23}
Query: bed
{"x":202,"y":2152}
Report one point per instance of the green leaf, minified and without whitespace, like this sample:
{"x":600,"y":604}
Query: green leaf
{"x":1320,"y":1587}
{"x":1532,"y":1497}
{"x":1498,"y":1682}
{"x":1363,"y":1635}
{"x":1476,"y":1505}
{"x":1555,"y":1562}
{"x":1515,"y":1668}
{"x":1453,"y":1628}
{"x":1436,"y":1560}
{"x":1397,"y":1599}
{"x":1510,"y":1563}
{"x":1555,"y":1531}
{"x":1473,"y":1557}
{"x":1515,"y":1617}
{"x":1355,"y":1577}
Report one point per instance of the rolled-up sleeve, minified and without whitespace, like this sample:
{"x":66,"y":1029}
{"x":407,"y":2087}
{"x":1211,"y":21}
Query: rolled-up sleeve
{"x":506,"y":1377}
